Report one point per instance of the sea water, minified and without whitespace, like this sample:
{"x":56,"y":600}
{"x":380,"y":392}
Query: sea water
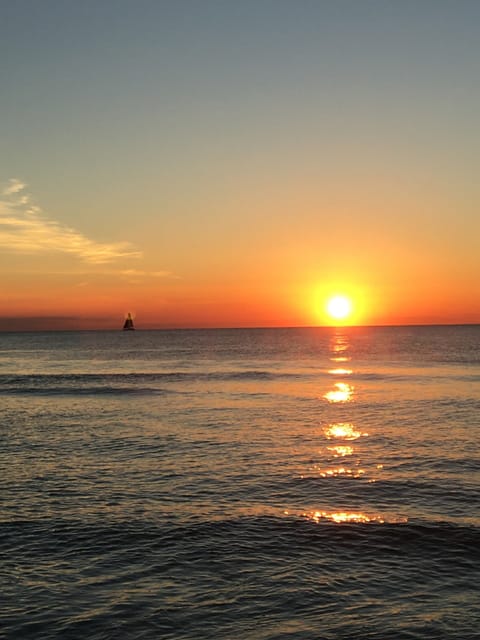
{"x":240,"y":484}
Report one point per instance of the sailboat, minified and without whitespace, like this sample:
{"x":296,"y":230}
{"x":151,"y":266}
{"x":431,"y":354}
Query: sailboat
{"x":128,"y":325}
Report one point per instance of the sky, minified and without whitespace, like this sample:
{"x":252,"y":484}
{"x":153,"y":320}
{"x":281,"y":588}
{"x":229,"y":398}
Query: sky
{"x":227,"y":164}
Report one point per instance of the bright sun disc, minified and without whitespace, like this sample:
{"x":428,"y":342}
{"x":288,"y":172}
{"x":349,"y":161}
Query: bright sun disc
{"x":339,"y":307}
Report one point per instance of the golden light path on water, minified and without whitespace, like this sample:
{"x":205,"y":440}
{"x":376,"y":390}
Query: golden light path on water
{"x":340,"y":372}
{"x":342,"y":471}
{"x":356,"y":517}
{"x":344,"y":432}
{"x":340,"y":451}
{"x":342,"y":392}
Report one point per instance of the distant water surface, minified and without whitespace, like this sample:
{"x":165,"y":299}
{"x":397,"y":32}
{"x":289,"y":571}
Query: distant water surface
{"x":265,"y":484}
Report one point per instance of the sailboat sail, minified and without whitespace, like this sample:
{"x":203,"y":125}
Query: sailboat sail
{"x":128,"y":325}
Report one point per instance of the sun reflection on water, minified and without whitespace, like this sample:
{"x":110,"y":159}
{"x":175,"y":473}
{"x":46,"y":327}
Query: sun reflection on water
{"x":339,"y":343}
{"x":345,"y":516}
{"x":340,"y":451}
{"x":343,"y":430}
{"x":353,"y":517}
{"x":329,"y":466}
{"x":339,"y":371}
{"x":343,"y":392}
{"x":342,"y":471}
{"x":339,"y":346}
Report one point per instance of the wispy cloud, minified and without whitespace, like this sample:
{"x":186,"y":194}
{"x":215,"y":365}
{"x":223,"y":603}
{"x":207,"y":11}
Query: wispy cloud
{"x":14,"y":186}
{"x":24,"y":228}
{"x":136,"y":276}
{"x":137,"y":273}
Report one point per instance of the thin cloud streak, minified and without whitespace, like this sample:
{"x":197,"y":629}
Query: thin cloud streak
{"x":25,"y":229}
{"x":136,"y":276}
{"x":14,"y":186}
{"x":136,"y":273}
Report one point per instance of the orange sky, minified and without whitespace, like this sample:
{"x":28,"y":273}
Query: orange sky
{"x":237,"y":169}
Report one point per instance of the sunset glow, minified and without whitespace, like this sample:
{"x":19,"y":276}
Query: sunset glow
{"x":214,"y":202}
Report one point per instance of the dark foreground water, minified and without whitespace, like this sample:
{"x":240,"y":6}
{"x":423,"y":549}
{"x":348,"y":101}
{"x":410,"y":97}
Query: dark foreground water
{"x":244,"y":484}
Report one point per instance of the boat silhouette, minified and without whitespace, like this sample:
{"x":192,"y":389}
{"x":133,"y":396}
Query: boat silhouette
{"x":128,"y":325}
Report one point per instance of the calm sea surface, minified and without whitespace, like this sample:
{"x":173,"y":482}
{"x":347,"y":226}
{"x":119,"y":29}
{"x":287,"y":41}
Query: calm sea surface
{"x":240,"y":484}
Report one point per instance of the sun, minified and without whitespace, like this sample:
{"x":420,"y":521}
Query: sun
{"x":341,"y":304}
{"x":339,"y":307}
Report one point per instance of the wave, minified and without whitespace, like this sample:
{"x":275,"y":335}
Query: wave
{"x":87,"y":391}
{"x":120,"y":383}
{"x":278,"y":533}
{"x":415,"y":377}
{"x":28,"y":383}
{"x":234,"y":577}
{"x":144,"y":376}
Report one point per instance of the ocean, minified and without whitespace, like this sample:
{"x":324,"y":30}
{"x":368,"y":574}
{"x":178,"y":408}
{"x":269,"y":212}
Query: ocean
{"x":250,"y":484}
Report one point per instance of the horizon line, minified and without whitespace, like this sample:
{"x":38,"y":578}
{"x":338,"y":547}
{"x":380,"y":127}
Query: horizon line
{"x":250,"y":328}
